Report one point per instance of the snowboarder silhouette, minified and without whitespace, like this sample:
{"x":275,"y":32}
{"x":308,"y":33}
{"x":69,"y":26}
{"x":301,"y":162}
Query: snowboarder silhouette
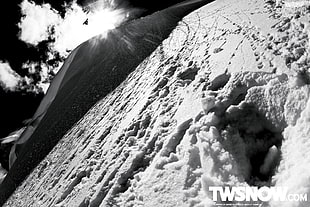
{"x":86,"y":22}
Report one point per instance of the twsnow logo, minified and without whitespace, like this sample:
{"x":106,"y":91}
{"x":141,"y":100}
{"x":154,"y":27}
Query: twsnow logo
{"x":263,"y":194}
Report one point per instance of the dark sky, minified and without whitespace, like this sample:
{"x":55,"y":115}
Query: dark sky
{"x":16,"y":106}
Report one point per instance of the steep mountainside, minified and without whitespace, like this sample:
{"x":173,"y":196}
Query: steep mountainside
{"x":224,"y":100}
{"x":93,"y":70}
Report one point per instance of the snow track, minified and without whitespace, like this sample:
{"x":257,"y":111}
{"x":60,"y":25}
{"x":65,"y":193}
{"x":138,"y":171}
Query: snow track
{"x":223,"y":101}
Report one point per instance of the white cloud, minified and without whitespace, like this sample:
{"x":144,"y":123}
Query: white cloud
{"x":36,"y":21}
{"x":35,"y":69}
{"x":76,"y":27}
{"x":9,"y":79}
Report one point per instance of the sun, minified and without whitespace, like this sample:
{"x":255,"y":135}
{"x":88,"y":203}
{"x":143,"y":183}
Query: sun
{"x":81,"y":24}
{"x":103,"y":16}
{"x":101,"y":21}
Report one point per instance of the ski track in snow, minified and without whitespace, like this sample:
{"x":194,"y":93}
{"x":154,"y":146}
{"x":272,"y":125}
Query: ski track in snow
{"x":226,"y":86}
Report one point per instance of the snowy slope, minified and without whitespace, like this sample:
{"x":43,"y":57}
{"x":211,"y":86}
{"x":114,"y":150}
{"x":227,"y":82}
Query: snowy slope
{"x":93,"y":70}
{"x":223,"y":101}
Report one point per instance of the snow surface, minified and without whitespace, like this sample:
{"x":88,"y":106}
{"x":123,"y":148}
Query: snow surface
{"x":223,"y":101}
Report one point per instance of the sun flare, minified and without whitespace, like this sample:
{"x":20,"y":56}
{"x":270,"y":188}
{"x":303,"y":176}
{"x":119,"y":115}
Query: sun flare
{"x":80,"y":25}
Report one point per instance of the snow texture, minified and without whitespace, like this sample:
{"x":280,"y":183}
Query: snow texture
{"x":223,"y":101}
